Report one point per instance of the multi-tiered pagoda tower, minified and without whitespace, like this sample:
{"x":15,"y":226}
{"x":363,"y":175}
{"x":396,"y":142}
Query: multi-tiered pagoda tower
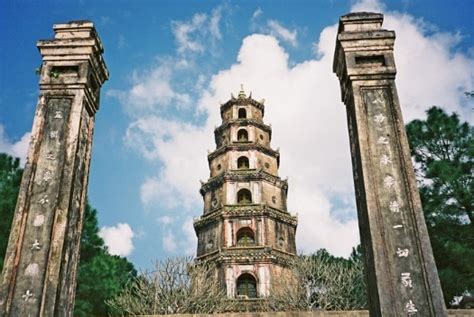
{"x":246,"y":228}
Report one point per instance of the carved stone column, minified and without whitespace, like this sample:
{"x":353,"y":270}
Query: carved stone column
{"x":38,"y":277}
{"x":400,"y":268}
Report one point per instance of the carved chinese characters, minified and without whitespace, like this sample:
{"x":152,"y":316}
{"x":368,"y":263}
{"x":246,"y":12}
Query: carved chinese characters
{"x":391,"y":190}
{"x":43,"y":196}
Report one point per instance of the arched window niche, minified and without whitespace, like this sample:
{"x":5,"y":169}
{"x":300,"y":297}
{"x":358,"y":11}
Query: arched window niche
{"x":244,"y":196}
{"x":245,"y":237}
{"x":242,"y":114}
{"x":242,"y":135}
{"x":247,"y":286}
{"x":243,"y":163}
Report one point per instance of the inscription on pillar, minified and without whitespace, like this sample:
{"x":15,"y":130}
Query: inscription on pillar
{"x":43,"y":202}
{"x":392,"y":196}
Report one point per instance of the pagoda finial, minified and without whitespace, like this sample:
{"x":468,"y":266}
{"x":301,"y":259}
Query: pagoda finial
{"x":242,"y":92}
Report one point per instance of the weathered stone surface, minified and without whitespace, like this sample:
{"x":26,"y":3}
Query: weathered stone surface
{"x":38,"y":277}
{"x":402,"y":276}
{"x":353,"y":313}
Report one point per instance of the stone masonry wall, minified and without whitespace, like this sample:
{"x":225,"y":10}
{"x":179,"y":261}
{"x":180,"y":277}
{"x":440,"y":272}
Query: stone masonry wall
{"x":354,"y":313}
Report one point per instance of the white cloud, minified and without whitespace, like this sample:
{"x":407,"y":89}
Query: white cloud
{"x":257,"y":13}
{"x":282,"y":33}
{"x":166,"y":220}
{"x":152,"y":90}
{"x":214,"y":23}
{"x":186,"y":243}
{"x":189,"y":242}
{"x":184,"y":160}
{"x":184,"y":30}
{"x":274,"y":28}
{"x":195,"y":34}
{"x":15,"y":149}
{"x":118,"y":239}
{"x":429,"y":73}
{"x":429,"y":70}
{"x":309,"y":125}
{"x":368,"y":6}
{"x":169,"y":242}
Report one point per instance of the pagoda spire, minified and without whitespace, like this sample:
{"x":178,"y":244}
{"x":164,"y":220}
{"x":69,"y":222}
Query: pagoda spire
{"x":242,"y":94}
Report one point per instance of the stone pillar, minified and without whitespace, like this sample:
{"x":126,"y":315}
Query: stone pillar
{"x":38,"y":277}
{"x":401,"y":272}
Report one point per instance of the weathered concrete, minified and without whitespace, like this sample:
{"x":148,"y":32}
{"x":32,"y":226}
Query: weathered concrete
{"x":402,"y":276}
{"x":354,"y":313}
{"x":39,"y":275}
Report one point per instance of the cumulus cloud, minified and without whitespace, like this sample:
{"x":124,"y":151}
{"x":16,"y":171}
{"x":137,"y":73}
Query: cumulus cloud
{"x":430,"y":70}
{"x":309,"y":125}
{"x":16,"y":149}
{"x":368,"y":6}
{"x":118,"y":239}
{"x":184,"y":159}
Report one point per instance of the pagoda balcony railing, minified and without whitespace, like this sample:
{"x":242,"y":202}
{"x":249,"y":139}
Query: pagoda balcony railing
{"x":264,"y":253}
{"x":243,"y":175}
{"x":243,"y":122}
{"x":246,"y":211}
{"x":244,"y":146}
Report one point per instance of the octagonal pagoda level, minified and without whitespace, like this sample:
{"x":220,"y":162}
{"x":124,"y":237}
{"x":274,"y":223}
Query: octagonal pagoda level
{"x":245,"y":228}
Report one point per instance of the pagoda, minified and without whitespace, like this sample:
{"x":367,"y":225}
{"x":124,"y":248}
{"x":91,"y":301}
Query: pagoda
{"x":245,"y":227}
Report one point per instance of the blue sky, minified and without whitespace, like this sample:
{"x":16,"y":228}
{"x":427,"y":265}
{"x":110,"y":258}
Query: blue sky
{"x":172,"y":62}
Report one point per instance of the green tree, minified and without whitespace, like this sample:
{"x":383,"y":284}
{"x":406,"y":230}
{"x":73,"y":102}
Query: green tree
{"x":100,"y":275}
{"x":10,"y":178}
{"x":443,"y":150}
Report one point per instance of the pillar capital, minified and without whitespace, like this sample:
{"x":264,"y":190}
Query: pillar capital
{"x":73,"y":60}
{"x":364,"y":50}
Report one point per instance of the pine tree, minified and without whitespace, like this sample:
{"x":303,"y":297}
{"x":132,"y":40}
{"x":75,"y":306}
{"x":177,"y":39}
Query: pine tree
{"x":443,"y":150}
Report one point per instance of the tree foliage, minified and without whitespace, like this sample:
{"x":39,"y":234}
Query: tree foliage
{"x":321,"y":281}
{"x":100,"y":276}
{"x":10,"y":178}
{"x":443,"y":151}
{"x":176,"y":286}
